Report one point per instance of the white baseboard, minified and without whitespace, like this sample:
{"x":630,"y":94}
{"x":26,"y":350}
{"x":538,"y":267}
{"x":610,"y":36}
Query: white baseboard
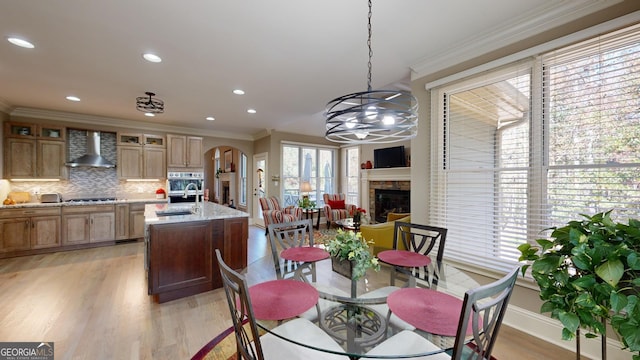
{"x":550,"y":330}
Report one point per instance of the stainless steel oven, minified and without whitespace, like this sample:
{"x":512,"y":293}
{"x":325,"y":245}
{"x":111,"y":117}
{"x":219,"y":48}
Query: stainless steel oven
{"x":178,"y":181}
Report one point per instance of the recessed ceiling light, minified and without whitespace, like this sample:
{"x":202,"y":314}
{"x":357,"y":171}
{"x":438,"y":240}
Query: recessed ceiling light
{"x":149,"y":114}
{"x":21,"y":43}
{"x":238,"y":92}
{"x":210,"y":118}
{"x":73,"y":98}
{"x":251,"y":111}
{"x":152,"y":57}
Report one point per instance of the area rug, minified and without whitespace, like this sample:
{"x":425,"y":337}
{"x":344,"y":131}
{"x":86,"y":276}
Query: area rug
{"x":222,"y":347}
{"x":324,"y":235}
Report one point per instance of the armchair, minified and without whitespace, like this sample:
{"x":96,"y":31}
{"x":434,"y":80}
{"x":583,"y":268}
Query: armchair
{"x":274,"y":214}
{"x":382,"y":233}
{"x":335,"y":208}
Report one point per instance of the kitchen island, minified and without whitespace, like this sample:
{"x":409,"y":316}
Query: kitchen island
{"x":180,"y":245}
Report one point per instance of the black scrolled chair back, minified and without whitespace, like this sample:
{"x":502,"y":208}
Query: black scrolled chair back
{"x":485,"y":307}
{"x":286,"y":235}
{"x":235,"y":287}
{"x":421,"y":239}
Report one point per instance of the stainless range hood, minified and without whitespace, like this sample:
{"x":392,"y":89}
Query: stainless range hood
{"x":92,"y":156}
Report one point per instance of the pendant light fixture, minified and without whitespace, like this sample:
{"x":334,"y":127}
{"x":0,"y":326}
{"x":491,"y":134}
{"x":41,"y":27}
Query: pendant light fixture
{"x":372,"y":116}
{"x":149,"y":105}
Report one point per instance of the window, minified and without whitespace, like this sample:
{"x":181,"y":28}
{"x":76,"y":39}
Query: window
{"x":216,"y":181}
{"x":534,"y":145}
{"x":243,"y":179}
{"x":307,"y":163}
{"x":352,"y":175}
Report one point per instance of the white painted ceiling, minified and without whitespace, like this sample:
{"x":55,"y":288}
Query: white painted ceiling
{"x":290,"y":56}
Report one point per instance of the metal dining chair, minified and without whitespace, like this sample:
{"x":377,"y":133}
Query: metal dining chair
{"x":287,"y":235}
{"x":416,"y":241}
{"x":293,"y":234}
{"x":250,"y":345}
{"x":483,"y":307}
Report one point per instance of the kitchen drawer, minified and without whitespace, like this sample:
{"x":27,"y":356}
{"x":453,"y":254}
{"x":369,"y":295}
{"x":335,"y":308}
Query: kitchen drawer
{"x":81,"y":209}
{"x":29,"y":212}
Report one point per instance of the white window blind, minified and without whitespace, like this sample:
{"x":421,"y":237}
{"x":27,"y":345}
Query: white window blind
{"x":534,"y":145}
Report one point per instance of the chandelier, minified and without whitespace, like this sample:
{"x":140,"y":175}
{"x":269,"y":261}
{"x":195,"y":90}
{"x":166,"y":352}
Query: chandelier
{"x":149,"y":105}
{"x":372,"y":116}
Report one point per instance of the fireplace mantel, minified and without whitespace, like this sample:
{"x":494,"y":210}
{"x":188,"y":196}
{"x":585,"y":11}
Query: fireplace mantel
{"x":386,"y":174}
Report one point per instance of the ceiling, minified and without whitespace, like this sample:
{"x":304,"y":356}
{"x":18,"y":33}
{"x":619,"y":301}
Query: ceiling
{"x":290,"y":56}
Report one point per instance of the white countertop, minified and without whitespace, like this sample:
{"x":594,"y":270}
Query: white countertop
{"x":83,"y":203}
{"x":210,"y":211}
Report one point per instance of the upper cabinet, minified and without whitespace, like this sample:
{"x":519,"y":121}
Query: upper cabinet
{"x":34,"y":151}
{"x":141,"y":156}
{"x":184,"y":151}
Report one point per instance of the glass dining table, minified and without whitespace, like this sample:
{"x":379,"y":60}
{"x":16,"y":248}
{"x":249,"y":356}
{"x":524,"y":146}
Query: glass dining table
{"x":361,"y":314}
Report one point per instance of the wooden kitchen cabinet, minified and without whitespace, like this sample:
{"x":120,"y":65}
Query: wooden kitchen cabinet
{"x":122,"y":221}
{"x":102,"y":226}
{"x":75,"y":229}
{"x":141,"y":156}
{"x":130,"y":162}
{"x":181,"y":260}
{"x":34,"y":151}
{"x":129,"y":221}
{"x":20,"y":158}
{"x":184,"y":151}
{"x":155,"y":163}
{"x":15,"y":235}
{"x":50,"y":159}
{"x":236,"y":231}
{"x":136,"y":220}
{"x":88,"y":224}
{"x":25,"y":229}
{"x":45,"y":232}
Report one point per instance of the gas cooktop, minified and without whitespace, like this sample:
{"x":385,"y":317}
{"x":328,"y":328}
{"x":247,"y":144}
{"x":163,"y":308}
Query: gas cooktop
{"x":90,"y":199}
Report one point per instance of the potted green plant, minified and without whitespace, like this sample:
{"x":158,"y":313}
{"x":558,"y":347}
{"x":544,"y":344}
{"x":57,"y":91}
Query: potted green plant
{"x":350,"y":249}
{"x":588,"y":276}
{"x":305,"y":203}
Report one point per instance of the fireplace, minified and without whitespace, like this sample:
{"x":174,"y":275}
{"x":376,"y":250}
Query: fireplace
{"x":386,"y":201}
{"x":225,"y":192}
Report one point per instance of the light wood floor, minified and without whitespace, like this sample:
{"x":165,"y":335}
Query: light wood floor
{"x":93,"y":304}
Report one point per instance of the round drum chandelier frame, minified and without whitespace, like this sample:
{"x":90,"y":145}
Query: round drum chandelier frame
{"x":148,"y":104}
{"x":372,"y":116}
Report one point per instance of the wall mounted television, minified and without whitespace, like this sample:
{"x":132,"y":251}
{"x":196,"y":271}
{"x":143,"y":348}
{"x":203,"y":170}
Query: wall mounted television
{"x":389,"y":157}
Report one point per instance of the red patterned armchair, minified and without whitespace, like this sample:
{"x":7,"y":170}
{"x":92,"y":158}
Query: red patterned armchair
{"x":335,"y":208}
{"x":274,"y":214}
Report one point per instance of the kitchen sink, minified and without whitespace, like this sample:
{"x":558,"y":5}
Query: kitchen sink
{"x":174,"y":212}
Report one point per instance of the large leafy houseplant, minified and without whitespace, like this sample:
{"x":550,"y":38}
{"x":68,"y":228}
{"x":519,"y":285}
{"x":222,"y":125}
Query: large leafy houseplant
{"x":351,"y":246}
{"x":588,"y":276}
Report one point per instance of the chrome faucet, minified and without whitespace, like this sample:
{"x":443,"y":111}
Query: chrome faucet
{"x":196,"y":207}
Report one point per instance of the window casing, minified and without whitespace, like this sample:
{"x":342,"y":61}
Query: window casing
{"x":534,"y":145}
{"x":307,"y":163}
{"x":243,"y":179}
{"x":352,"y":174}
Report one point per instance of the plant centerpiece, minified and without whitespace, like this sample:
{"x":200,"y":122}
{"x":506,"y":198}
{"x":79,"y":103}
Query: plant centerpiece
{"x":588,"y":276}
{"x":305,"y":203}
{"x":352,"y":247}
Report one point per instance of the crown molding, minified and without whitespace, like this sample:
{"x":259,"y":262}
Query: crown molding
{"x":530,"y":24}
{"x":5,"y":107}
{"x":116,"y":122}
